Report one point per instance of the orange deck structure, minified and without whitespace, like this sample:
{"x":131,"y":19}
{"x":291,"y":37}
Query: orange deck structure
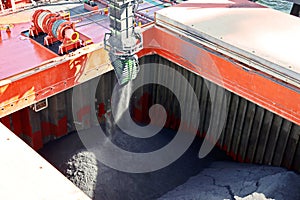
{"x":24,"y":63}
{"x":232,"y":43}
{"x":22,"y":73}
{"x":30,"y":72}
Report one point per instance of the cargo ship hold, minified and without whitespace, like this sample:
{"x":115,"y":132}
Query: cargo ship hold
{"x":224,"y":71}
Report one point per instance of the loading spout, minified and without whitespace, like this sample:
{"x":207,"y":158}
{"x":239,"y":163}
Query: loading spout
{"x":124,"y":40}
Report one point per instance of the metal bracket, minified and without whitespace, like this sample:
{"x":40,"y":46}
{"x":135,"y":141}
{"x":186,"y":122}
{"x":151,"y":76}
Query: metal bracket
{"x":41,"y":105}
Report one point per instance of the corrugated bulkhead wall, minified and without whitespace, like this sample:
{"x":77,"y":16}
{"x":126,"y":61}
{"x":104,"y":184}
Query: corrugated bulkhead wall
{"x":251,"y":133}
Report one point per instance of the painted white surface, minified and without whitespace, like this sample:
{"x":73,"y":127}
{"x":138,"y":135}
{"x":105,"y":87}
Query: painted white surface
{"x":26,"y":175}
{"x":268,"y":34}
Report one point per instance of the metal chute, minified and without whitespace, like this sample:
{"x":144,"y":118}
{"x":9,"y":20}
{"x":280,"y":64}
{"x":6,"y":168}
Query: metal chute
{"x":124,"y":40}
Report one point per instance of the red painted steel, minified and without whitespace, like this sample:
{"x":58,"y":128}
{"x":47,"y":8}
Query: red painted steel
{"x":16,"y":50}
{"x":58,"y":130}
{"x":29,"y":72}
{"x":82,"y":113}
{"x":17,"y":123}
{"x":6,"y":121}
{"x":266,"y":91}
{"x":101,"y":110}
{"x":26,"y":81}
{"x":250,"y":84}
{"x":32,"y":135}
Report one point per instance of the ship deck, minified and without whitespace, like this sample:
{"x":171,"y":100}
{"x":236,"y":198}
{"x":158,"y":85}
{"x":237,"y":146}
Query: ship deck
{"x":20,"y":54}
{"x":249,"y":50}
